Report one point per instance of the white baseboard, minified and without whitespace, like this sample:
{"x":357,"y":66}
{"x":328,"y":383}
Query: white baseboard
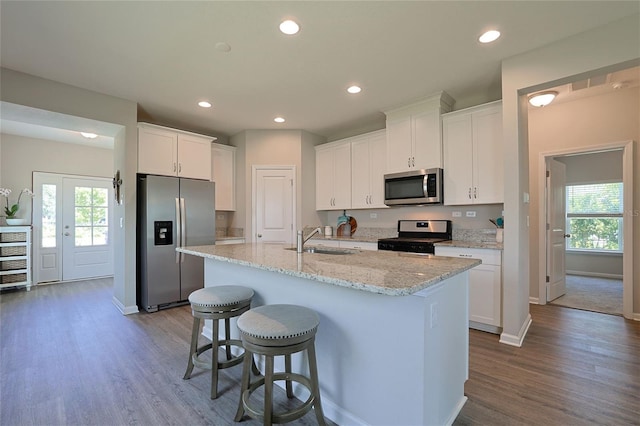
{"x":513,"y":340}
{"x":635,"y":317}
{"x":594,"y":274}
{"x":534,"y":300}
{"x":124,"y":310}
{"x":457,"y":410}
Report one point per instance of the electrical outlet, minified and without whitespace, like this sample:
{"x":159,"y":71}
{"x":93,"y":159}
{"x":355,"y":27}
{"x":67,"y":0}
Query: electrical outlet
{"x":373,"y":215}
{"x":456,"y":214}
{"x":471,"y":213}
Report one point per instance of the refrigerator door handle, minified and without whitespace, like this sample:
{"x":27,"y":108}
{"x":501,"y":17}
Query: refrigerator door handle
{"x":183,"y":225}
{"x":178,"y":229}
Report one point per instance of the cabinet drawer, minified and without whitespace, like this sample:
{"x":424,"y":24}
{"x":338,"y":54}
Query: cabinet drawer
{"x":488,"y":256}
{"x":360,"y":245}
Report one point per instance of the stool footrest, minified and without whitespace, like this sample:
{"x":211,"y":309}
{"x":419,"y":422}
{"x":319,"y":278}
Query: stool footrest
{"x":293,"y":414}
{"x":206,"y":364}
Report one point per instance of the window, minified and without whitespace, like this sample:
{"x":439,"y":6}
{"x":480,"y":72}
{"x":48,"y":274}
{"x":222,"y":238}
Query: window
{"x":49,"y":216}
{"x":91,"y":207}
{"x":594,"y":217}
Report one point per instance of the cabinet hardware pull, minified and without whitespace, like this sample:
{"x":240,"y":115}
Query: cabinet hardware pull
{"x":408,"y":161}
{"x":174,"y":167}
{"x":469,"y":192}
{"x":475,"y":192}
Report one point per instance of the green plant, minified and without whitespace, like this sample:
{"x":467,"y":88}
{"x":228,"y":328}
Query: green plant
{"x":11,"y":212}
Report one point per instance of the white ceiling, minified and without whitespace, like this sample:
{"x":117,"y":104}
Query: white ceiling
{"x":162,"y":55}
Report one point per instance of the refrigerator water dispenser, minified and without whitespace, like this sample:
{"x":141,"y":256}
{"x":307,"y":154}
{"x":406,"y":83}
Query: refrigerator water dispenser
{"x":162,"y":232}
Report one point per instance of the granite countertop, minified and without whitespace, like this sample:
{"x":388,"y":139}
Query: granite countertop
{"x":228,"y":238}
{"x":470,"y":244}
{"x":383,"y":272}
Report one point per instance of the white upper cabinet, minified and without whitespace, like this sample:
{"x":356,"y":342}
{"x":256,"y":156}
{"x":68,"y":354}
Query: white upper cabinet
{"x":368,"y":165}
{"x":414,"y":139}
{"x":223,"y":173}
{"x":170,"y":152}
{"x":333,"y":176}
{"x":473,"y":160}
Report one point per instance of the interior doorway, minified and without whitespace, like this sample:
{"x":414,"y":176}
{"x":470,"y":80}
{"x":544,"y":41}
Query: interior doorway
{"x":625,"y":150}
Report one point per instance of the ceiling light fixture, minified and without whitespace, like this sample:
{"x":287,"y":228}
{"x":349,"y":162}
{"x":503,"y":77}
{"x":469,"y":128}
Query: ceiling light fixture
{"x":279,"y":120}
{"x":543,"y":98}
{"x":289,"y":27}
{"x":489,"y":36}
{"x":354,"y":89}
{"x":204,"y":104}
{"x":89,"y":135}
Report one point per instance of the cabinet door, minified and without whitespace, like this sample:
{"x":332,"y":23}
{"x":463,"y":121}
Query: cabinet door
{"x":324,"y":179}
{"x":223,"y":160}
{"x":484,"y":295}
{"x":458,"y":160}
{"x":157,"y":151}
{"x":399,"y":149}
{"x":377,"y":169}
{"x":427,"y":141}
{"x":342,"y":176}
{"x":194,"y":157}
{"x":360,"y":173}
{"x":488,"y":158}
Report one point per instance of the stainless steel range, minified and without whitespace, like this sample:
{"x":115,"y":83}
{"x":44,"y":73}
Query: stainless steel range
{"x":417,"y":236}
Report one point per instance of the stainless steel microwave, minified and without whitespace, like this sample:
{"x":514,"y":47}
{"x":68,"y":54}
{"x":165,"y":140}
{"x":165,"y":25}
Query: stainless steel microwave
{"x":413,"y":187}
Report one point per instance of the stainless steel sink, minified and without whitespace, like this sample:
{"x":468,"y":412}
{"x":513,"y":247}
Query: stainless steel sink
{"x":322,"y":250}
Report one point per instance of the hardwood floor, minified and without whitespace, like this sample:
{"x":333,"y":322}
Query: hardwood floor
{"x":575,"y":368}
{"x":68,"y":357}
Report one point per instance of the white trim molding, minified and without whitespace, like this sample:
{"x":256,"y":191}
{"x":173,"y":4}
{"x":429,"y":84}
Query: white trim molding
{"x":512,"y":340}
{"x":534,"y":300}
{"x":124,"y":310}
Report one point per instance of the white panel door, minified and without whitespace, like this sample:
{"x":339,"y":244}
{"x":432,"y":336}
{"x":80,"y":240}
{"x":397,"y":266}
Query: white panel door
{"x":556,"y":233}
{"x":87,"y":234}
{"x":274,"y":208}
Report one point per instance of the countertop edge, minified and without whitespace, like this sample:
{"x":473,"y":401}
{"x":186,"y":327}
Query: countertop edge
{"x":407,"y":291}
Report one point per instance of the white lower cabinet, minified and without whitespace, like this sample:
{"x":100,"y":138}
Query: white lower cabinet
{"x":357,"y":245}
{"x":485,"y":286}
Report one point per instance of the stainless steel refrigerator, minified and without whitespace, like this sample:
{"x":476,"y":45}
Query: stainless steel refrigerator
{"x":172,"y":212}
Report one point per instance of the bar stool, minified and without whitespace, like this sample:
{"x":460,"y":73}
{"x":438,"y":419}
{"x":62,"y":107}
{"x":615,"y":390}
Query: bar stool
{"x":216,"y":303}
{"x":279,"y":330}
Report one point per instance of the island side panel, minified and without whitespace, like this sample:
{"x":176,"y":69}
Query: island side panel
{"x":374,"y":351}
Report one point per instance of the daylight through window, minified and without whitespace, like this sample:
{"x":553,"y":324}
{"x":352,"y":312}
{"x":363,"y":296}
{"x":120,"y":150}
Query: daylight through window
{"x":594,"y":217}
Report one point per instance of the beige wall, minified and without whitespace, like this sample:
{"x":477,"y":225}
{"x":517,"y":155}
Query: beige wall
{"x":583,"y":123}
{"x":23,"y":156}
{"x":275,"y":148}
{"x":24,"y":89}
{"x":610,"y":47}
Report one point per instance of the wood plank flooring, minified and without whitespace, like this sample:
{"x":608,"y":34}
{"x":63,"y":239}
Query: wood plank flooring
{"x":68,"y":357}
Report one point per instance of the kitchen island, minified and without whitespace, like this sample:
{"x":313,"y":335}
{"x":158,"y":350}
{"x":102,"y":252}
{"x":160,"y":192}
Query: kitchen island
{"x":392,"y":345}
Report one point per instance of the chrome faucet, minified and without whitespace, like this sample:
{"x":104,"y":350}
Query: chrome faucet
{"x":300,"y":240}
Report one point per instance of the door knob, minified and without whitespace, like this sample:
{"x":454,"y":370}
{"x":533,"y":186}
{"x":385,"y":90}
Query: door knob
{"x":259,"y":235}
{"x":66,"y":234}
{"x":567,"y":235}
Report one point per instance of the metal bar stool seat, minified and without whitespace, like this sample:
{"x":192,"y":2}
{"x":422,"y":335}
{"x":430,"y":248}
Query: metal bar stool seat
{"x":278,"y":330}
{"x":216,"y":303}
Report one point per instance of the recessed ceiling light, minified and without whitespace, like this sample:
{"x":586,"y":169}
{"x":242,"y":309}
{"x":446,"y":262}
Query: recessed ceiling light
{"x":279,"y":120}
{"x":489,"y":36}
{"x":223,"y":47}
{"x":354,"y":89}
{"x":204,"y":104}
{"x":543,"y":98}
{"x":289,"y":27}
{"x":89,"y":135}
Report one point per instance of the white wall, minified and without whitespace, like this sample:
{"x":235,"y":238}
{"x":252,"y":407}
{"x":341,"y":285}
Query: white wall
{"x":23,"y":156}
{"x":612,"y":46}
{"x":23,"y":89}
